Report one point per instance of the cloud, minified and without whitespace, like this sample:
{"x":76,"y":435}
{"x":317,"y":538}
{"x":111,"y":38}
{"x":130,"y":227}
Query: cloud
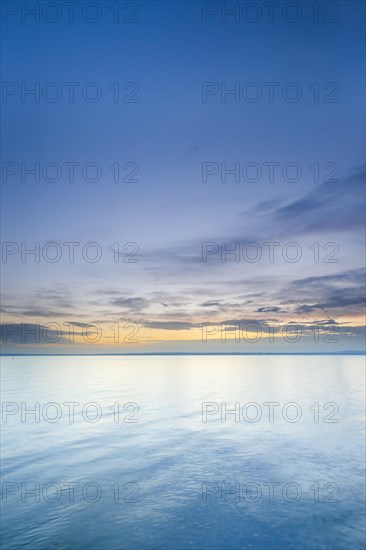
{"x":265,"y":206}
{"x":80,"y":325}
{"x":350,"y":277}
{"x":40,"y":311}
{"x":338,"y":291}
{"x":30,"y":333}
{"x":223,"y":306}
{"x":338,"y":206}
{"x":136,"y":304}
{"x":169,"y":325}
{"x":211,"y":303}
{"x":334,"y":301}
{"x":59,"y":295}
{"x":50,"y":303}
{"x":269,"y":310}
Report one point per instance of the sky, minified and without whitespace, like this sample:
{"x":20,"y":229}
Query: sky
{"x":205,"y":169}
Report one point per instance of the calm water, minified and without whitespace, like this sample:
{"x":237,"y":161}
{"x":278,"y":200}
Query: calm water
{"x":155,"y":476}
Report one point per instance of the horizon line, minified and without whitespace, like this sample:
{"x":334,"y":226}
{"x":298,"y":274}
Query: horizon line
{"x":345,"y":352}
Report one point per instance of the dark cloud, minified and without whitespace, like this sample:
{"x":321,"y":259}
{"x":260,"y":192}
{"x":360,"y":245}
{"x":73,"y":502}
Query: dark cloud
{"x":80,"y":325}
{"x":40,"y":312}
{"x":327,"y":327}
{"x":265,"y":206}
{"x":131,"y":304}
{"x":247,"y":321}
{"x":338,"y":291}
{"x":269,"y":310}
{"x":353,"y":276}
{"x":211,"y":303}
{"x":225,"y":306}
{"x":305,"y":309}
{"x":169,"y":325}
{"x":335,"y":301}
{"x":30,"y":333}
{"x":54,"y":302}
{"x":338,"y":206}
{"x":56,"y":298}
{"x":44,"y":312}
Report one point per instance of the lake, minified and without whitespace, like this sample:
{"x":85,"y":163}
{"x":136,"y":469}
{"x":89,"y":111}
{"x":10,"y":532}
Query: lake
{"x":176,"y":452}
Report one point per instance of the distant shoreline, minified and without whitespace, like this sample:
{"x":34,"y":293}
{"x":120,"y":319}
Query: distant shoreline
{"x":347,"y":352}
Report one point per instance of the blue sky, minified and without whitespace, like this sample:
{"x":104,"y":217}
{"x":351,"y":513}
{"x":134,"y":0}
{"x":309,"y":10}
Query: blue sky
{"x":165,"y":137}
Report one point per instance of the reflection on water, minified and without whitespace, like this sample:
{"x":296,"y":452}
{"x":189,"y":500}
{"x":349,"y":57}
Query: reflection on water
{"x":116,"y":453}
